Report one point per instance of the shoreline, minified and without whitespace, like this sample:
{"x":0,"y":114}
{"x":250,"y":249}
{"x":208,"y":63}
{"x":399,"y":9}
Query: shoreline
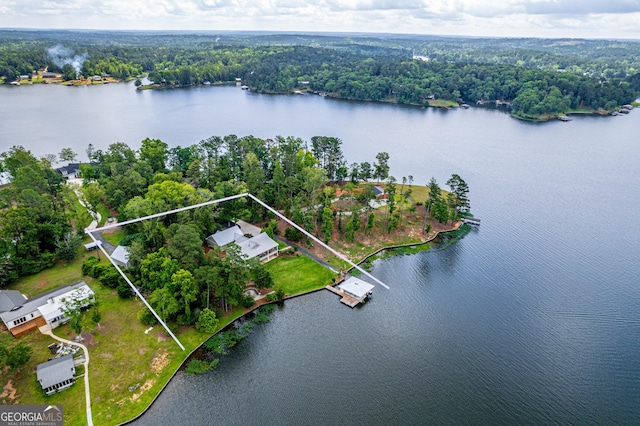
{"x":443,"y":104}
{"x":455,"y":227}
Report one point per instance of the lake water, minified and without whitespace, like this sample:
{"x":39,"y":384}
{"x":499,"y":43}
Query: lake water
{"x":533,"y":319}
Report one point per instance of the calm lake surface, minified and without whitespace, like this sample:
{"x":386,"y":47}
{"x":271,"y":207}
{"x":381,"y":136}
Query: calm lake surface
{"x":533,"y":319}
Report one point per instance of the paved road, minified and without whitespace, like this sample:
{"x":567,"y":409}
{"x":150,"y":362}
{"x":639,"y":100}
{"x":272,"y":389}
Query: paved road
{"x":106,"y":244}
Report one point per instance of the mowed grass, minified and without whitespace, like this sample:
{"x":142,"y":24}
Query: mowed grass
{"x":121,"y":354}
{"x":298,"y":274}
{"x":114,"y":237}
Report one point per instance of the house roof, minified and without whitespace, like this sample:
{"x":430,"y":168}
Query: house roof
{"x":54,"y":305}
{"x":378,"y":190}
{"x":69,"y":168}
{"x":257,"y":245}
{"x":227,"y":236}
{"x":247,"y":228}
{"x":72,"y":168}
{"x":9,"y":299}
{"x":56,"y":371}
{"x":32,"y":305}
{"x":5,"y":178}
{"x":356,"y":287}
{"x":121,"y":255}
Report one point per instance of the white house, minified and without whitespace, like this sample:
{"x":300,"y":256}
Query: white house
{"x":261,"y":246}
{"x":21,"y":315}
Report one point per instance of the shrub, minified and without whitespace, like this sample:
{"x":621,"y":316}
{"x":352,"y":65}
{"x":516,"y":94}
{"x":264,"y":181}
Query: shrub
{"x":185,"y":319}
{"x":111,"y":278}
{"x":293,"y":234}
{"x":207,"y":321}
{"x":247,"y":301}
{"x":146,"y":317}
{"x":199,"y":366}
{"x":89,"y":265}
{"x":124,"y":291}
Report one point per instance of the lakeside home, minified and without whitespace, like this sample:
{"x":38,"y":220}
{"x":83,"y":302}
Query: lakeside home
{"x":21,"y":315}
{"x":259,"y":246}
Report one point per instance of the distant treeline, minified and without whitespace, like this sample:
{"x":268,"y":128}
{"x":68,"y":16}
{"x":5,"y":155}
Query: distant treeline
{"x":539,"y":77}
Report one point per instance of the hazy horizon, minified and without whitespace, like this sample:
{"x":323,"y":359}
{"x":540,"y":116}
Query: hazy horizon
{"x":589,"y":19}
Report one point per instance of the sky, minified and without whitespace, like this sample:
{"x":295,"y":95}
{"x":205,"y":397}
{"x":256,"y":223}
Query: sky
{"x":500,"y":18}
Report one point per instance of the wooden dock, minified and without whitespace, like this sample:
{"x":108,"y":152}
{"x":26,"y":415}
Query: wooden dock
{"x":346,"y":299}
{"x":471,"y":221}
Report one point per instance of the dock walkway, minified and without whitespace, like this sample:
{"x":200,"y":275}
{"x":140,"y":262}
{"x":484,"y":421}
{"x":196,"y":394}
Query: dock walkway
{"x":346,"y":299}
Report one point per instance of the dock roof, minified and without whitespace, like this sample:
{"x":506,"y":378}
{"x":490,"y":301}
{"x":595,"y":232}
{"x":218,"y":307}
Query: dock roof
{"x":356,"y":287}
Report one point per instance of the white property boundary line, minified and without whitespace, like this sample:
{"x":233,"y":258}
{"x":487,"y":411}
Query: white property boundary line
{"x":208,"y":203}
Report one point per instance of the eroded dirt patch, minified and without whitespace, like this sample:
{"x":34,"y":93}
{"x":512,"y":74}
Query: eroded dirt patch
{"x":8,"y":394}
{"x":145,"y":387}
{"x":160,"y":361}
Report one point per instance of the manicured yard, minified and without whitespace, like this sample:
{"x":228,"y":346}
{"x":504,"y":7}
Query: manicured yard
{"x":114,"y":237}
{"x":299,"y":274}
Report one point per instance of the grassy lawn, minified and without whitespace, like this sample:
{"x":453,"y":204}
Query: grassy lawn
{"x":442,"y":103}
{"x":104,"y":214}
{"x":122,"y":355}
{"x":61,"y":274}
{"x":114,"y":237}
{"x":298,"y":274}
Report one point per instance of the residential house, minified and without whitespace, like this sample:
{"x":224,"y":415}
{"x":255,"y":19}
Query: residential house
{"x":261,"y":246}
{"x":56,"y":374}
{"x":225,"y":237}
{"x":21,"y":315}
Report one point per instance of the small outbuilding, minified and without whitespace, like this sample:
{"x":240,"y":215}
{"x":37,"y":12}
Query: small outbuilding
{"x":354,"y":291}
{"x":121,"y":256}
{"x":56,"y":374}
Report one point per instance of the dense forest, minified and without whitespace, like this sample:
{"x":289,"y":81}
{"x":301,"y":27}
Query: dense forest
{"x":536,"y":77}
{"x":41,"y":224}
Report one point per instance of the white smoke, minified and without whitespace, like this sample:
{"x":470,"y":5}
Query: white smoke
{"x":61,"y":55}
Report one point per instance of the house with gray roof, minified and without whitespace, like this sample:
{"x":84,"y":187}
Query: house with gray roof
{"x":56,"y":374}
{"x":121,"y":256}
{"x":9,"y":299}
{"x":28,"y":314}
{"x":261,"y":246}
{"x":225,"y":237}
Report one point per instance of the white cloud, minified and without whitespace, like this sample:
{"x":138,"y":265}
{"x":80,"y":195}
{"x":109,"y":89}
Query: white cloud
{"x":539,"y":18}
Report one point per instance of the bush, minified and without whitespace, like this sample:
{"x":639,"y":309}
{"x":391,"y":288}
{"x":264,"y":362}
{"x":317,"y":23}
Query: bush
{"x":275,"y":296}
{"x":293,"y":234}
{"x":146,"y":317}
{"x":199,"y":366}
{"x":185,"y":319}
{"x":124,"y":291}
{"x":247,"y":301}
{"x":89,"y":265}
{"x":207,"y":321}
{"x":111,"y":278}
{"x":128,"y":239}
